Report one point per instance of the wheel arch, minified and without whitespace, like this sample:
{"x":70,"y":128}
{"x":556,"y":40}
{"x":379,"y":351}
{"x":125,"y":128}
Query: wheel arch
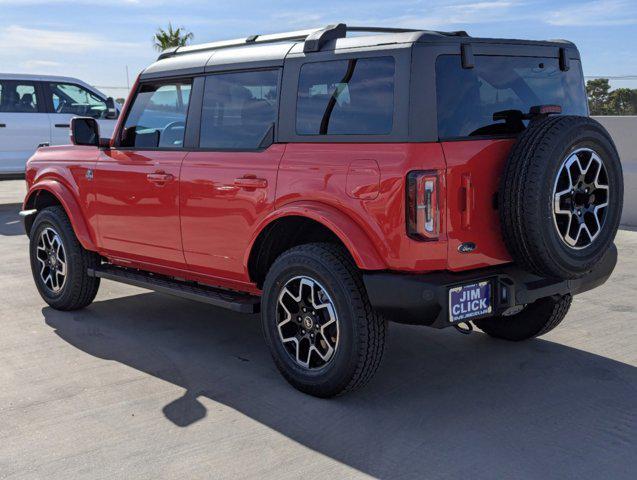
{"x":308,"y":222}
{"x":52,"y":192}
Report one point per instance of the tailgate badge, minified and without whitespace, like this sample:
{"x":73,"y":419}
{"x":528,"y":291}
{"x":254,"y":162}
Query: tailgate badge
{"x":466,"y":247}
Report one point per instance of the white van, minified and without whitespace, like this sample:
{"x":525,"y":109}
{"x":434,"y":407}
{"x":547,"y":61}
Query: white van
{"x":36,"y":110}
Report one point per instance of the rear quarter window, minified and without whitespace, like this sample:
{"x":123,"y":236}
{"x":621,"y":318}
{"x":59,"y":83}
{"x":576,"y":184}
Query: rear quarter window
{"x":468,"y":98}
{"x":346,"y":97}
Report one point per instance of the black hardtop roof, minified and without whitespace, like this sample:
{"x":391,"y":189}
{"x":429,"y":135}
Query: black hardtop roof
{"x":270,"y":47}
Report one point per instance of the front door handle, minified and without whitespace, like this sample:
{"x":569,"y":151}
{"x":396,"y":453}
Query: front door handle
{"x":160,"y":177}
{"x":3,"y":125}
{"x":62,"y":125}
{"x":249,"y":182}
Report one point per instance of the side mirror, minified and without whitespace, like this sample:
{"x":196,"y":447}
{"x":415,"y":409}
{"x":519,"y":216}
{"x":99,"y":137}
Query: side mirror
{"x":85,"y":131}
{"x":111,"y":111}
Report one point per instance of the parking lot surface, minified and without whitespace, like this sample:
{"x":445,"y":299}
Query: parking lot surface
{"x":141,"y":385}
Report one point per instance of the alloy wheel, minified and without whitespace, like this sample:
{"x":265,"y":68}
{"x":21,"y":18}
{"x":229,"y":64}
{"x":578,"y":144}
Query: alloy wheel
{"x":307,"y":322}
{"x":580,"y":198}
{"x":51,"y":258}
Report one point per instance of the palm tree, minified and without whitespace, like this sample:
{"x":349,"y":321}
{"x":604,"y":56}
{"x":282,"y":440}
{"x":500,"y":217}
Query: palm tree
{"x":177,"y":37}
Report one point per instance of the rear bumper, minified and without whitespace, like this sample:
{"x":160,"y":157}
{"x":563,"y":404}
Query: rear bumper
{"x":423,"y":299}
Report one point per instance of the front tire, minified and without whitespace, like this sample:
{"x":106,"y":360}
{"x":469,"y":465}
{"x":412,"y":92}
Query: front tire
{"x":59,"y":263}
{"x":535,"y":320}
{"x":322,"y":332}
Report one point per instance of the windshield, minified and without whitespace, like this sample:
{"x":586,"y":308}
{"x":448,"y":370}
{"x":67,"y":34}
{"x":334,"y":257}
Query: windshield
{"x":468,"y":98}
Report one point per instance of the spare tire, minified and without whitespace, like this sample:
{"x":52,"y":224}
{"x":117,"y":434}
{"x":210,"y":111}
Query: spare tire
{"x":561,"y":195}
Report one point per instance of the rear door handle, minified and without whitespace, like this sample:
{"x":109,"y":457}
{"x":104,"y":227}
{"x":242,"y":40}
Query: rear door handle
{"x":247,"y":182}
{"x":63,"y":125}
{"x":3,"y":125}
{"x":160,"y":177}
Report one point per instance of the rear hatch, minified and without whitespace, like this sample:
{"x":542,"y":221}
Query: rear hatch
{"x":479,"y":112}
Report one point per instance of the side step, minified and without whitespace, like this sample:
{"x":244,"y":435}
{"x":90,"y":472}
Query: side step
{"x":238,"y":302}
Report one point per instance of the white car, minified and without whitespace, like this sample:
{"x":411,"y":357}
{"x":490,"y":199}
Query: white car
{"x":36,"y":110}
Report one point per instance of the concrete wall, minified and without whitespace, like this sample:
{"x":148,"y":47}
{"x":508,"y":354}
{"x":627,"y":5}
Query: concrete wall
{"x":624,"y":133}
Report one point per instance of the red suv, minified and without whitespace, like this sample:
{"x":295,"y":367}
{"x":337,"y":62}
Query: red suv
{"x":335,"y":182}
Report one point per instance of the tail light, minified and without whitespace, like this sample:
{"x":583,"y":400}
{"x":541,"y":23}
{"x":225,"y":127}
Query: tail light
{"x":423,"y":216}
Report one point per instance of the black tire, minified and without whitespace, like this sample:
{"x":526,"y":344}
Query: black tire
{"x":535,"y":320}
{"x":77,"y":290}
{"x":361,"y":334}
{"x":526,"y":197}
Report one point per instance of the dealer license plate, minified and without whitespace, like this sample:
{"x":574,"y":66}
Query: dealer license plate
{"x":470,"y":301}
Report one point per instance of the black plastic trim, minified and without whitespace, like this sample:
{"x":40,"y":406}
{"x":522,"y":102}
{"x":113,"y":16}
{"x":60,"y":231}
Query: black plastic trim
{"x":236,"y":301}
{"x":423,"y":299}
{"x":565,"y":63}
{"x":193,"y":120}
{"x":468,"y":60}
{"x":316,"y":40}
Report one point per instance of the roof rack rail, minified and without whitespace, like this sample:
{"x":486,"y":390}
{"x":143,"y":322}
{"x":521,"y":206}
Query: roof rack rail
{"x":314,"y":39}
{"x":298,"y":35}
{"x":383,"y":29}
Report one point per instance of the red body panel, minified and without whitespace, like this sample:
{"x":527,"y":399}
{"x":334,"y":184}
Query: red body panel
{"x":201,"y":223}
{"x":319,"y":172}
{"x":224,"y":197}
{"x":137,"y":206}
{"x":351,"y":234}
{"x":474,"y":169}
{"x":62,"y":172}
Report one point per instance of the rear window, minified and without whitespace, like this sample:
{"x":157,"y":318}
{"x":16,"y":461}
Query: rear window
{"x":469,"y":98}
{"x":346,"y":97}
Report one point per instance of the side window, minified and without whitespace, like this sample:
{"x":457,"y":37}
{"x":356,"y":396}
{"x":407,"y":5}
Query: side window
{"x":238,"y":109}
{"x":158,"y":116}
{"x":18,"y":97}
{"x":346,"y":97}
{"x":76,"y":100}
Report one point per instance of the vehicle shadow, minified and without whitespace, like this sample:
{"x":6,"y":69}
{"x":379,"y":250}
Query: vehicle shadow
{"x":10,"y":221}
{"x":443,"y":405}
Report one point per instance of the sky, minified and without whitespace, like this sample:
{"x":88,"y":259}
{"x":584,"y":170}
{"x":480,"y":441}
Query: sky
{"x":97,"y":40}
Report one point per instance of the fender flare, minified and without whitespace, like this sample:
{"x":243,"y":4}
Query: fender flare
{"x":70,"y":205}
{"x":357,"y":242}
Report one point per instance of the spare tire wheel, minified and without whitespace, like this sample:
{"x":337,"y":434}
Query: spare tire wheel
{"x":561,"y":196}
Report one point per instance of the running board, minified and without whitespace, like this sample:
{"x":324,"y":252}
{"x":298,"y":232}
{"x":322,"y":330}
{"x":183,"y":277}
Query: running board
{"x":238,"y":302}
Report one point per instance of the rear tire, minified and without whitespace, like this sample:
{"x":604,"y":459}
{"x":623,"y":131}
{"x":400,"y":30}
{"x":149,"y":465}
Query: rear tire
{"x":59,"y":263}
{"x":328,"y":346}
{"x":535,"y":320}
